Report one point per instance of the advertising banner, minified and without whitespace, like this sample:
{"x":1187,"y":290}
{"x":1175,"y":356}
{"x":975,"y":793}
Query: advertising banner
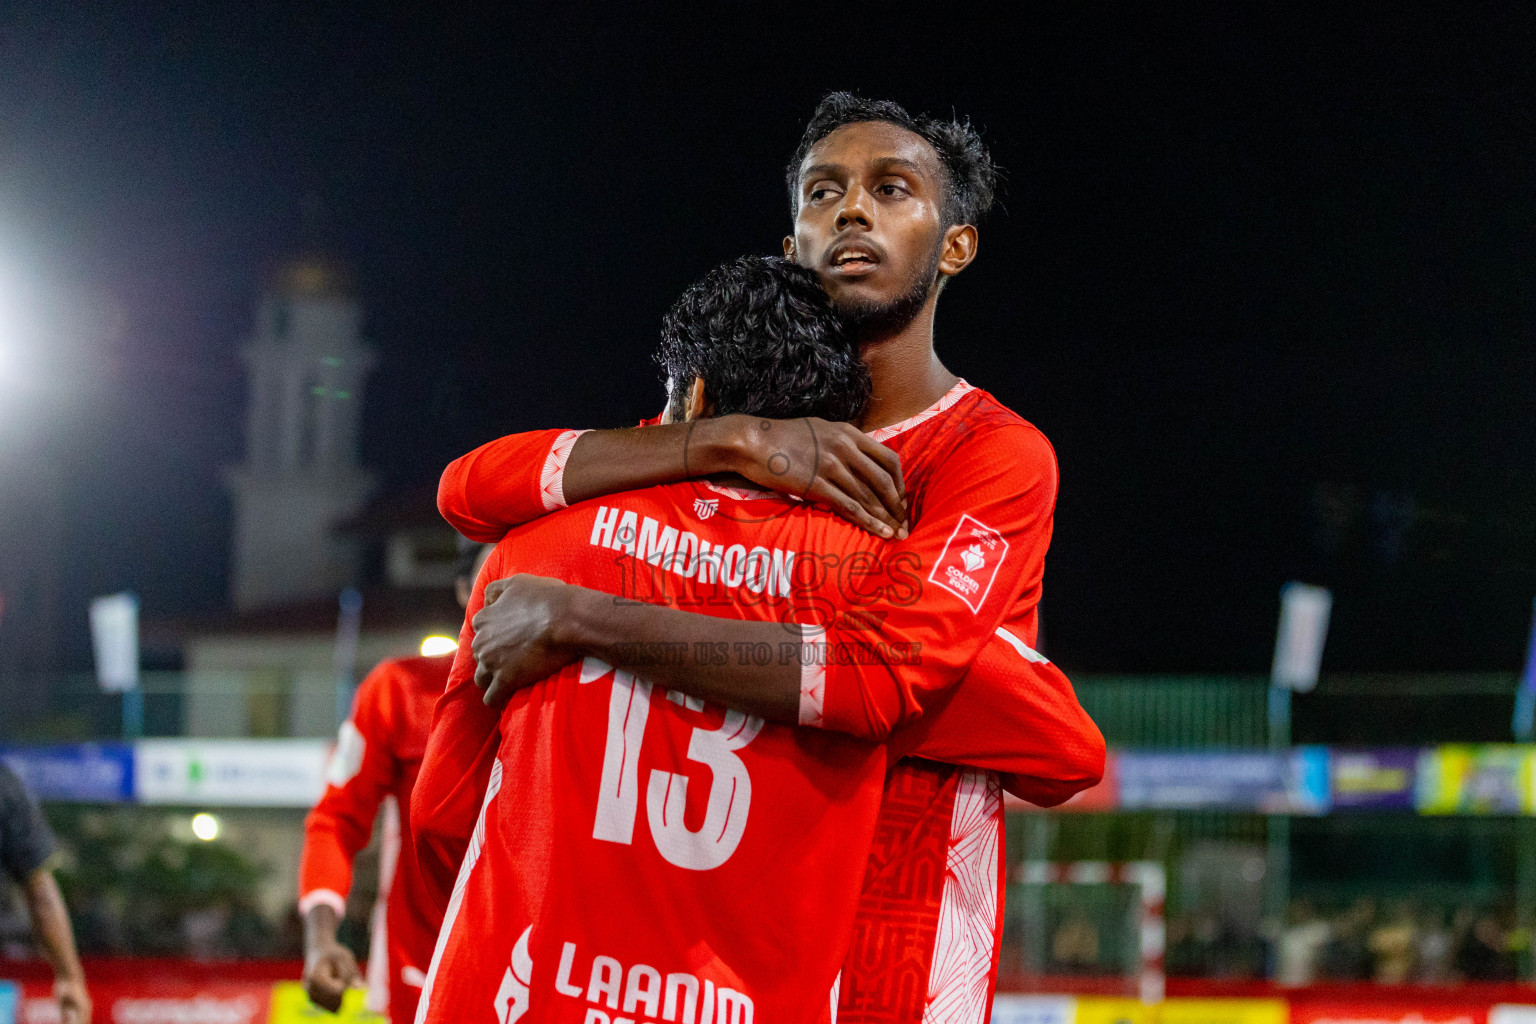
{"x":75,"y":772}
{"x":151,"y":1002}
{"x":1375,"y":780}
{"x":1305,"y":1011}
{"x":1308,"y":782}
{"x":291,"y":1006}
{"x":1261,"y":781}
{"x":1467,"y":779}
{"x":1224,"y":1011}
{"x":1197,"y":780}
{"x":230,"y":773}
{"x":1012,"y":1009}
{"x":1098,"y":1010}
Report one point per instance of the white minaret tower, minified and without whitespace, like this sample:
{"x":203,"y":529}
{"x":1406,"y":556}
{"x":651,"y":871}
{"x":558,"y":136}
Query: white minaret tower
{"x":308,"y":365}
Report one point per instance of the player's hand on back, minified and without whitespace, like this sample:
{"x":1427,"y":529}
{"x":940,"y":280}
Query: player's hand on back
{"x":329,"y":971}
{"x":835,"y":465}
{"x":515,"y":643}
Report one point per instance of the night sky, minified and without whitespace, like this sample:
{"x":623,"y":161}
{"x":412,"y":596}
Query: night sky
{"x":1265,"y":283}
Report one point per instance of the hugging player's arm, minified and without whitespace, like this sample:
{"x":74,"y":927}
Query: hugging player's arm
{"x":1013,"y":714}
{"x":978,"y":550}
{"x":1016,"y":714}
{"x":517,"y":478}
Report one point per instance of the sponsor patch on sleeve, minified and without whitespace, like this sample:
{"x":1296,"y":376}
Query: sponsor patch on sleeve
{"x":347,"y":758}
{"x":969,"y":561}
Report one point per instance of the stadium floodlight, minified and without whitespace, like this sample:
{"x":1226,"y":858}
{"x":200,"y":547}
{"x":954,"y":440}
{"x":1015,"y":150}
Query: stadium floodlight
{"x":205,"y":826}
{"x":11,"y":363}
{"x":16,"y":327}
{"x":7,"y":333}
{"x":437,"y":646}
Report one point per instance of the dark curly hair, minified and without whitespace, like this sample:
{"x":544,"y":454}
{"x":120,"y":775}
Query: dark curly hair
{"x":762,"y":334}
{"x":970,"y":175}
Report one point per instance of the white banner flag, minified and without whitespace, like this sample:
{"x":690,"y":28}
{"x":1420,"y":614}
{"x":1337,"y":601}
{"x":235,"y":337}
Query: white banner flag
{"x":115,"y":640}
{"x":1304,"y":612}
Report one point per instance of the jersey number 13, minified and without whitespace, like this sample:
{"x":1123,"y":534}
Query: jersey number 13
{"x":666,"y":795}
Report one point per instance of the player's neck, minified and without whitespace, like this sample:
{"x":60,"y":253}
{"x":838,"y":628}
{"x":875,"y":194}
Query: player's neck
{"x":905,"y":372}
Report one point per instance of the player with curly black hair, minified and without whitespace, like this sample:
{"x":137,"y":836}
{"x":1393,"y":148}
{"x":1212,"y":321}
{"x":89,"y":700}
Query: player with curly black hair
{"x":758,"y":336}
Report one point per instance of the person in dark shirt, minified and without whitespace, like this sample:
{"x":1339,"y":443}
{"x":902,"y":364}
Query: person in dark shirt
{"x":26,"y":846}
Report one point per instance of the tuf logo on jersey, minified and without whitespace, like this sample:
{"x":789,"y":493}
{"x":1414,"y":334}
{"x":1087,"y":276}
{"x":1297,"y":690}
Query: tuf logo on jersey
{"x":705,"y":507}
{"x":969,"y":562}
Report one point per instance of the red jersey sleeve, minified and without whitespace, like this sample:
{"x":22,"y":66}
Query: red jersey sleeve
{"x":1014,"y":713}
{"x":978,"y":547}
{"x":362,"y":771}
{"x":461,"y":748}
{"x":506,"y":483}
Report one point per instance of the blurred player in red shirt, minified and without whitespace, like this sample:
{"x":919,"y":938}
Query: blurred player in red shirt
{"x":375,"y":764}
{"x":885,"y":211}
{"x":551,"y":905}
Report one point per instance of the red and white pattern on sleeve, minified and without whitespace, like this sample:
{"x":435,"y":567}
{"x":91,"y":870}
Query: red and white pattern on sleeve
{"x":813,"y":676}
{"x":970,"y":911}
{"x":505,"y":482}
{"x":552,"y":477}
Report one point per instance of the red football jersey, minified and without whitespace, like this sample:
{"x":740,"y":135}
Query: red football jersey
{"x":376,"y":761}
{"x":929,"y":927}
{"x":982,"y":485}
{"x":642,"y":854}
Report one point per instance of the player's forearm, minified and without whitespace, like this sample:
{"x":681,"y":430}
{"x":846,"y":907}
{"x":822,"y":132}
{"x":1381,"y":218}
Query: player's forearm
{"x":609,"y":461}
{"x":520,"y":477}
{"x":320,"y":926}
{"x":334,"y":834}
{"x":717,"y":660}
{"x":50,"y":925}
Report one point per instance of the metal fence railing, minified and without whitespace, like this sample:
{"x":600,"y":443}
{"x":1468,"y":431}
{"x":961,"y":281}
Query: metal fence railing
{"x":1165,"y":712}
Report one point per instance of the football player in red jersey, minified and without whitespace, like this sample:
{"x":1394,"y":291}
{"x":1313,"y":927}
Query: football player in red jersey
{"x":377,"y":757}
{"x":885,"y":207}
{"x":565,"y":907}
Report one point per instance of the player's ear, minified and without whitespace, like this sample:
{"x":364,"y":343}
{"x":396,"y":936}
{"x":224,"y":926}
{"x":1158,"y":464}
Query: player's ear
{"x":958,"y":250}
{"x":667,"y":413}
{"x":698,"y":406}
{"x":789,"y":247}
